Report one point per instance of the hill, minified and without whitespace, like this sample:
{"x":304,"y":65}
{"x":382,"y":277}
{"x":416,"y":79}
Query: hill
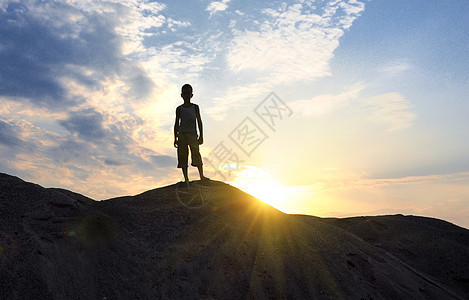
{"x":215,"y":241}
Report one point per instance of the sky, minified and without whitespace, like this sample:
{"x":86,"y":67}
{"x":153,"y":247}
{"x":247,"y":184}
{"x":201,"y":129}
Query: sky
{"x":329,"y":108}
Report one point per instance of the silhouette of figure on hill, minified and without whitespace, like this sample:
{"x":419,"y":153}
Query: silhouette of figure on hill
{"x":185,"y":134}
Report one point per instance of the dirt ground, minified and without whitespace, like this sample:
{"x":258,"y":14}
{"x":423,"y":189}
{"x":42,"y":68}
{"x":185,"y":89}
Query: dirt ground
{"x":213,"y":241}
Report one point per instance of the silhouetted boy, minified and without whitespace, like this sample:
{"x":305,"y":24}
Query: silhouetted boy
{"x":185,"y":133}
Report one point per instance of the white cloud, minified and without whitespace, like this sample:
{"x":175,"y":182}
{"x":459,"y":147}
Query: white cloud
{"x":239,"y":96}
{"x":326,"y":103}
{"x":396,"y":68}
{"x":179,"y":58}
{"x":287,"y":45}
{"x":133,"y":17}
{"x":173,"y":23}
{"x":217,"y":6}
{"x":292,"y":43}
{"x":391,"y":110}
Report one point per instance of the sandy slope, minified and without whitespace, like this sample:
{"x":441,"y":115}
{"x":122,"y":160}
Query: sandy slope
{"x":56,"y":244}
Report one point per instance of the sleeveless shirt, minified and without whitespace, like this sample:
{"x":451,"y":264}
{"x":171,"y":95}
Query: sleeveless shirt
{"x":187,"y":119}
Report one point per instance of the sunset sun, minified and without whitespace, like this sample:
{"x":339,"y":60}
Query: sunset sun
{"x":262,"y":185}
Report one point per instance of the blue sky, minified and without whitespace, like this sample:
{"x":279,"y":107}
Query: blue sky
{"x":378,"y":92}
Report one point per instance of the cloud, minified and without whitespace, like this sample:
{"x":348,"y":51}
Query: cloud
{"x":239,"y":96}
{"x":77,"y":93}
{"x":8,"y":135}
{"x":131,"y":20}
{"x":164,"y":161}
{"x":391,"y":110}
{"x":352,"y":9}
{"x":88,"y":124}
{"x":396,"y":68}
{"x":287,"y":45}
{"x":292,"y":43}
{"x":180,"y":59}
{"x":45,"y":45}
{"x":326,"y":103}
{"x":88,"y":160}
{"x":408,"y":180}
{"x":91,"y":141}
{"x":26,"y":70}
{"x":443,"y":196}
{"x":113,"y":162}
{"x":217,"y":6}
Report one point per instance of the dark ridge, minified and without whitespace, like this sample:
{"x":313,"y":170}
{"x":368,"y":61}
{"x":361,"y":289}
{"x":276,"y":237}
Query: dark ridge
{"x":214,"y":241}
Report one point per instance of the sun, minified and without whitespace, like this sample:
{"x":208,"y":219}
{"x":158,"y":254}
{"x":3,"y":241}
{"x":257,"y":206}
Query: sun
{"x":268,"y":192}
{"x":262,"y":185}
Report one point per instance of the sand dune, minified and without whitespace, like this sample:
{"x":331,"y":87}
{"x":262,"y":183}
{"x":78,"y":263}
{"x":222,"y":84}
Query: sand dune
{"x":214,"y":241}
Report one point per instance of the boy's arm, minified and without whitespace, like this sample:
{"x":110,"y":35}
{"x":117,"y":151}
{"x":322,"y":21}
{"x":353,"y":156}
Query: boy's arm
{"x":199,"y":123}
{"x":176,"y":127}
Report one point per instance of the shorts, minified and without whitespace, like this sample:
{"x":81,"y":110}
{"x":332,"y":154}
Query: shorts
{"x":188,"y":140}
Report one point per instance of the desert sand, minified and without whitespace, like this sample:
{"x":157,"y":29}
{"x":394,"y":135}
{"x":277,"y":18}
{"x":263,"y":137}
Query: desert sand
{"x":213,"y":241}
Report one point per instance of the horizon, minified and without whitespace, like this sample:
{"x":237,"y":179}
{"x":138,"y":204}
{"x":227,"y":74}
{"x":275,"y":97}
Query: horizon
{"x":207,"y":198}
{"x":357,"y":107}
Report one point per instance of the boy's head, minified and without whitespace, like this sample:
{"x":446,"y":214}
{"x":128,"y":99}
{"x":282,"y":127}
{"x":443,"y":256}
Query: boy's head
{"x":186,"y":92}
{"x":186,"y":89}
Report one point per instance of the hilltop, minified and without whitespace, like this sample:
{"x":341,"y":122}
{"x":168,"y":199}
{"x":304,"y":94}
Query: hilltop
{"x":215,"y":241}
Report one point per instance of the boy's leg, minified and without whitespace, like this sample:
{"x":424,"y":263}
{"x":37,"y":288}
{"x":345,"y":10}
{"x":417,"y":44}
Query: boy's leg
{"x":183,"y":155}
{"x":201,"y":173}
{"x":186,"y":177}
{"x":196,"y":157}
